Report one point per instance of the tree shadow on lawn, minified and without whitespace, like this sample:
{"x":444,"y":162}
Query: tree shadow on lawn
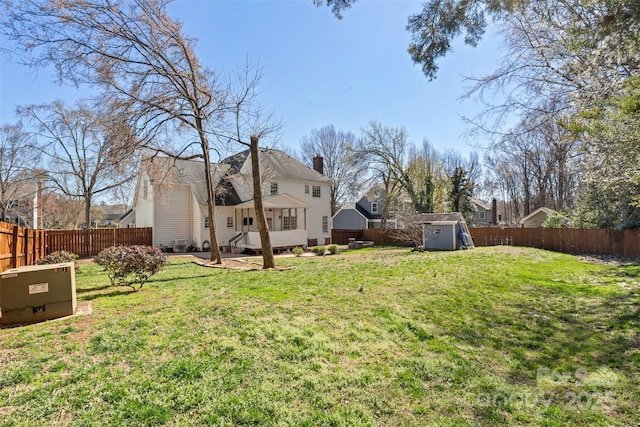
{"x":571,"y":335}
{"x":565,"y":337}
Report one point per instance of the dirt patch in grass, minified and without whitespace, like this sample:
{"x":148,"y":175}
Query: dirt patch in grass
{"x":234,"y":264}
{"x":609,"y":260}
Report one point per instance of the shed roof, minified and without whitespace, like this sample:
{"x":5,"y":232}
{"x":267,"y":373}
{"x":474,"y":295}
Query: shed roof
{"x":443,"y":218}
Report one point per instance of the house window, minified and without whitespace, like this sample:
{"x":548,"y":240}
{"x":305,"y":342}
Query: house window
{"x":306,"y":189}
{"x":145,"y":193}
{"x":316,"y":191}
{"x":374,"y":207}
{"x":247,"y":221}
{"x":274,"y":188}
{"x":229,"y":222}
{"x":207,"y":223}
{"x":289,"y":223}
{"x":269,"y":223}
{"x":325,"y":224}
{"x":481,"y":214}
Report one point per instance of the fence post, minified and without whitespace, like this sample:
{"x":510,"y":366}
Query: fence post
{"x":14,"y":248}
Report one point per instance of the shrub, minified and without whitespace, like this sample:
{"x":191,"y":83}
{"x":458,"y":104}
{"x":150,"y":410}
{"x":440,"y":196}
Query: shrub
{"x":332,"y":249}
{"x":127,"y":265}
{"x":297,"y":251}
{"x":318,"y":250}
{"x":59,"y":257}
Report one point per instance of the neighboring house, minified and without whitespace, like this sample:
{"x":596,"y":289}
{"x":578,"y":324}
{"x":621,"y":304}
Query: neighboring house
{"x":482,"y":214}
{"x":171,"y":197}
{"x":128,"y":220}
{"x":19,"y":205}
{"x":365,"y":213}
{"x":536,"y":218}
{"x":445,"y":232}
{"x":111,"y":220}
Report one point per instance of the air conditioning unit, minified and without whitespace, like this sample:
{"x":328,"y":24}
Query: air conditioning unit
{"x":35,"y":293}
{"x":179,"y":245}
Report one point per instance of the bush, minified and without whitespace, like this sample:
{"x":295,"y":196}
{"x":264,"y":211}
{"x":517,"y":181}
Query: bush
{"x":318,"y":250}
{"x":297,"y":251}
{"x":332,"y":249}
{"x":59,"y":257}
{"x":127,"y":265}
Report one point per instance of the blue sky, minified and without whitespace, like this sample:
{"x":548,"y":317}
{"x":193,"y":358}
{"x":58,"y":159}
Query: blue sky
{"x":318,"y":70}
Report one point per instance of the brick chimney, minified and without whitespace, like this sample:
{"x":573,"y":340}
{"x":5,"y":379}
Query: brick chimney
{"x":318,"y":164}
{"x":494,"y":211}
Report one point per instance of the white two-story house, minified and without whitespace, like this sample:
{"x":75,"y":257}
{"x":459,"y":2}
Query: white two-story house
{"x":171,"y":197}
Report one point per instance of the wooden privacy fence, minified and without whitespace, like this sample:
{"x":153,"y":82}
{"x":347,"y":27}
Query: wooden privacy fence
{"x":20,"y":246}
{"x":88,"y":243}
{"x":383,"y":236}
{"x":341,"y":237}
{"x":624,"y":243}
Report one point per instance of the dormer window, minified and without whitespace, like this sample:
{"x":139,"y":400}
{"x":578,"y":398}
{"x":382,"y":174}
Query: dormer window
{"x":374,"y":207}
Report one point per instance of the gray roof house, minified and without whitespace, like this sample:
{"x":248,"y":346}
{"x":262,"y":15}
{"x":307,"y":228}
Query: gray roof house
{"x":365,"y":213}
{"x":171,"y":197}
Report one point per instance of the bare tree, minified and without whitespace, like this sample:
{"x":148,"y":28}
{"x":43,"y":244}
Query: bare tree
{"x":244,"y":118}
{"x":400,"y":166}
{"x":342,"y":165}
{"x":88,"y":151}
{"x":138,"y":54}
{"x":17,"y":162}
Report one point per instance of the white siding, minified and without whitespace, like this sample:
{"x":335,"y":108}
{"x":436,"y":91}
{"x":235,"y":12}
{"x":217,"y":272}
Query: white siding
{"x":144,"y":207}
{"x":223,"y":234}
{"x":173,"y":215}
{"x":279,"y":239}
{"x":196,"y":222}
{"x":318,"y":206}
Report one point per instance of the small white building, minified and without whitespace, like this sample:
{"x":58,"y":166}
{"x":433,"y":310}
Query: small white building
{"x":171,"y":197}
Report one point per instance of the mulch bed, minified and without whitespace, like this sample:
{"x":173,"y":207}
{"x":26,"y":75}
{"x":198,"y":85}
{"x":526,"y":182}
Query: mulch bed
{"x":234,"y":264}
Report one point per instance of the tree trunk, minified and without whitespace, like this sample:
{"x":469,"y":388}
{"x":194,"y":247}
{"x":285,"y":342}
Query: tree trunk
{"x":268,"y":261}
{"x":87,"y":213}
{"x":211,"y":203}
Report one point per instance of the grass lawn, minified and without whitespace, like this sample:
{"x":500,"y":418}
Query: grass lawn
{"x":384,"y":336}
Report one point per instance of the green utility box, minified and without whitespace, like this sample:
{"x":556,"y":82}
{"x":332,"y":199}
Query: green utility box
{"x":35,"y":293}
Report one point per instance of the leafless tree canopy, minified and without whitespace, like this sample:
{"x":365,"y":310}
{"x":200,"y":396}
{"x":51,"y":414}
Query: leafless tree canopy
{"x":342,"y":162}
{"x":18,"y":158}
{"x":88,"y":149}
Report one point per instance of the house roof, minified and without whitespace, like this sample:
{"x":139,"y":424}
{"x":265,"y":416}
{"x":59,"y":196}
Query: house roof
{"x":126,"y":214}
{"x":165,"y":170}
{"x":276,"y":201}
{"x":349,"y":206}
{"x":440,"y":218}
{"x":273,"y":163}
{"x":481,"y":203}
{"x":546,"y":211}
